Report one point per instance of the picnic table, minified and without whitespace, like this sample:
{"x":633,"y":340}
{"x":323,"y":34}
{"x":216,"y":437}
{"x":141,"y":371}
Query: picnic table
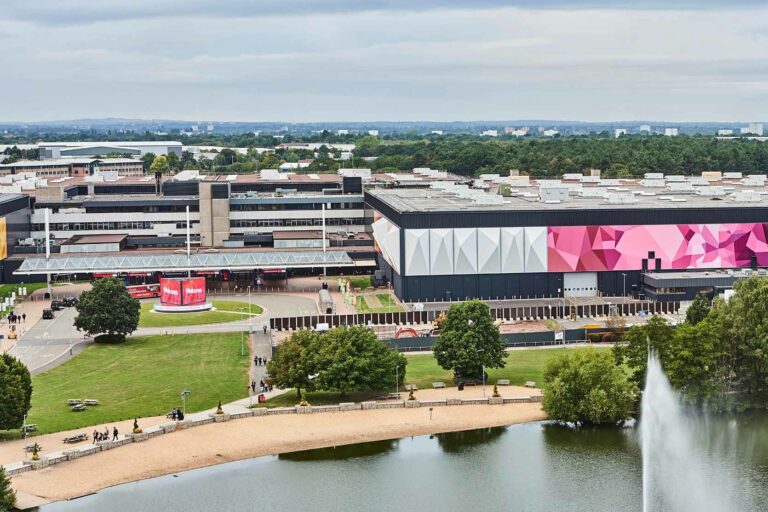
{"x":77,"y":438}
{"x":437,"y":385}
{"x":29,"y":427}
{"x":91,"y":401}
{"x":530,"y":384}
{"x":411,"y":387}
{"x":78,"y":407}
{"x":502,"y":382}
{"x":29,"y":448}
{"x":74,"y":401}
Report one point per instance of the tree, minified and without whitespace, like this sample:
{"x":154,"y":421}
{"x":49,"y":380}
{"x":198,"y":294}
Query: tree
{"x":469,"y":339}
{"x":174,"y":164}
{"x":656,"y":334}
{"x":698,"y":310}
{"x":291,"y":367}
{"x":107,"y":308}
{"x":187,"y":160}
{"x":15,"y":392}
{"x":7,"y":494}
{"x":159,"y":164}
{"x":353,"y":359}
{"x":587,"y":388}
{"x":148,"y":159}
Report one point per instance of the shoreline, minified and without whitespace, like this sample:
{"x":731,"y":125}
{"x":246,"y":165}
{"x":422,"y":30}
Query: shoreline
{"x":220,"y":443}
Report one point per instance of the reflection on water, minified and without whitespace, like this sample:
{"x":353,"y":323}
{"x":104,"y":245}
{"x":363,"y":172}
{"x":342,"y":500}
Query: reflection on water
{"x":537,"y":467}
{"x":343,"y":452}
{"x":459,"y":442}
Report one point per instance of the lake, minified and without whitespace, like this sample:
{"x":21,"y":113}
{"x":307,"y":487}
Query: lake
{"x":536,"y":467}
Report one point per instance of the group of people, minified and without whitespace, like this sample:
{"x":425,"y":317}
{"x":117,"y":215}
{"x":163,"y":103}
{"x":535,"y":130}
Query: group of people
{"x":176,"y":414}
{"x":260,"y":361}
{"x":100,"y":437}
{"x":13,"y":318}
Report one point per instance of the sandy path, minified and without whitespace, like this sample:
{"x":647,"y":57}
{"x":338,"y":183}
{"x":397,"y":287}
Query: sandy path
{"x":257,"y":436}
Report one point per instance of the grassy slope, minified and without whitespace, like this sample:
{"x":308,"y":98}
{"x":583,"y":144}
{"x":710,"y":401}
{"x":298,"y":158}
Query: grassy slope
{"x":422,"y":370}
{"x":388,"y":305}
{"x":226,"y":311}
{"x":141,"y":377}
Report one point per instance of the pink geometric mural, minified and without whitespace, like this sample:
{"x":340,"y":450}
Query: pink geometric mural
{"x":678,"y":246}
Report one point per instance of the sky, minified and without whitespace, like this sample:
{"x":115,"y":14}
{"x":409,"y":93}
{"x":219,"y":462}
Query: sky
{"x":376,"y":60}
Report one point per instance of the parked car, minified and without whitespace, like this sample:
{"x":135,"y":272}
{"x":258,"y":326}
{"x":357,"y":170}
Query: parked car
{"x":56,"y":305}
{"x":47,"y":314}
{"x":69,"y":301}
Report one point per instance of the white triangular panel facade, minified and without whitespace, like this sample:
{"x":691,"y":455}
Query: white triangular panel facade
{"x":536,"y":249}
{"x":417,"y":252}
{"x":488,"y":251}
{"x":512,"y":250}
{"x":441,"y":252}
{"x":465,"y":251}
{"x":387,"y":236}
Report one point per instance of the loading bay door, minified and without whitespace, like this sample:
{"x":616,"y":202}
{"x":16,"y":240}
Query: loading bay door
{"x":580,"y":284}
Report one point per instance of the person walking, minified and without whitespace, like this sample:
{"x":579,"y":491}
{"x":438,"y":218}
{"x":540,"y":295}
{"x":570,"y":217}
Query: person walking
{"x":114,"y":434}
{"x":95,"y":436}
{"x":253,"y":386}
{"x":265,"y":330}
{"x":24,"y":317}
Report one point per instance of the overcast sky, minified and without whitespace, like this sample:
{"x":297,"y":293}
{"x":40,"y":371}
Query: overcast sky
{"x":366,"y":60}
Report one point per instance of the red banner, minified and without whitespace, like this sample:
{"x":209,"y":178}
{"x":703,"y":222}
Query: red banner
{"x":194,"y":290}
{"x":170,"y":291}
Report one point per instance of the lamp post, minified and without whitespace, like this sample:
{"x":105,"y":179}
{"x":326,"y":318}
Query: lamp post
{"x":184,"y":395}
{"x":482,"y":365}
{"x":397,"y":379}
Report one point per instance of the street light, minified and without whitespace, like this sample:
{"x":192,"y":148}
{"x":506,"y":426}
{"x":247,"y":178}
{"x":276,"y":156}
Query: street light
{"x":184,"y":395}
{"x":482,"y":364}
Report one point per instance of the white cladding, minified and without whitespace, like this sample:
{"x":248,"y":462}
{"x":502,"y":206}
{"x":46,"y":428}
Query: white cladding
{"x":473,"y":250}
{"x":441,"y":252}
{"x":465,"y":251}
{"x":387,"y":236}
{"x":417,"y":251}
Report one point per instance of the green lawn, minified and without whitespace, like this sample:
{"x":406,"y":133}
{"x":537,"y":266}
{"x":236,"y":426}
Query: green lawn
{"x":359,"y":282}
{"x":141,"y":377}
{"x":388,"y":304}
{"x":422,"y":370}
{"x":226,"y":311}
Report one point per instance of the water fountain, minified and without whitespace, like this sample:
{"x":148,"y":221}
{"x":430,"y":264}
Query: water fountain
{"x":676,"y":473}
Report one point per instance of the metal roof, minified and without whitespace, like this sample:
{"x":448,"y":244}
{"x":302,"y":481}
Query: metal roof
{"x":82,"y":264}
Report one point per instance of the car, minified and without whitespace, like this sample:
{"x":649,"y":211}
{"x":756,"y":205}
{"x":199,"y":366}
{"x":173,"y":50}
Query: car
{"x":69,"y":301}
{"x":48,"y":314}
{"x":56,"y":305}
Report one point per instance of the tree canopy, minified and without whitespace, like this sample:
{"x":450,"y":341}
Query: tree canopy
{"x":15,"y":392}
{"x":343,"y":359}
{"x":7,"y":494}
{"x":108,"y":309}
{"x":159,"y":164}
{"x":469,"y":339}
{"x":587,"y":388}
{"x":698,"y":310}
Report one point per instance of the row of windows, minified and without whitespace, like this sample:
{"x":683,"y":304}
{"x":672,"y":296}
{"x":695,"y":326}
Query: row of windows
{"x":170,"y":208}
{"x":293,"y":206}
{"x":276,"y":223}
{"x":105,"y":226}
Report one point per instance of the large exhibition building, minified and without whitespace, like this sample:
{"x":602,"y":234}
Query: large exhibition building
{"x":579,"y":236}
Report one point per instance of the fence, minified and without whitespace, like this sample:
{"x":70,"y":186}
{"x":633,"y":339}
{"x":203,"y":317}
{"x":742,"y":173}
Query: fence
{"x":410,"y":318}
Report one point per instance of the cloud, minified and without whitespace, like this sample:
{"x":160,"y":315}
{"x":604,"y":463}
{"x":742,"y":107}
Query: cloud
{"x":439,"y":61}
{"x":88,"y":11}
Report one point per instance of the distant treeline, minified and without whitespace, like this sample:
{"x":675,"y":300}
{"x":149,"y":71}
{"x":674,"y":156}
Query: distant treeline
{"x":623,"y":157}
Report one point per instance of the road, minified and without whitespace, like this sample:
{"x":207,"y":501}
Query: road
{"x":49,"y":341}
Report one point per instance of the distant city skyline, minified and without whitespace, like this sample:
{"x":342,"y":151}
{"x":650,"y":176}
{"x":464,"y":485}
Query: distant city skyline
{"x":344,"y":60}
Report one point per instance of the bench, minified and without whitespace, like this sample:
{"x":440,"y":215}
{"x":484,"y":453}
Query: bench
{"x":74,"y":401}
{"x":437,"y":385}
{"x":78,"y":408}
{"x":31,"y":447}
{"x":77,"y":438}
{"x":411,"y":387}
{"x":530,"y":384}
{"x":30,"y":427}
{"x":91,"y":401}
{"x":502,"y":382}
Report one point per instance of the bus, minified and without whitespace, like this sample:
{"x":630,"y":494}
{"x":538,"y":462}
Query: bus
{"x":144,"y":291}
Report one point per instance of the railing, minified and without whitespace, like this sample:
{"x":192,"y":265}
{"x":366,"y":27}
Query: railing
{"x":411,"y":318}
